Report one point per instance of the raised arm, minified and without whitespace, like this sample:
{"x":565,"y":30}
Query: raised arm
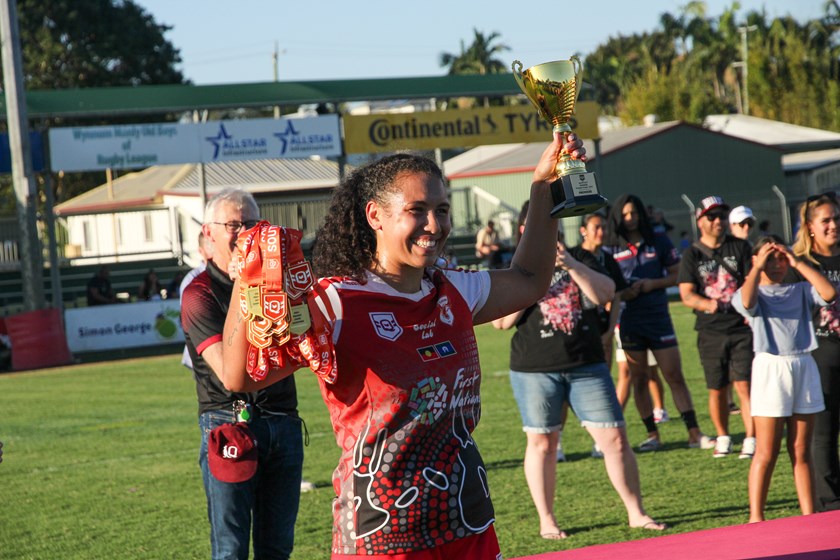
{"x":816,"y":278}
{"x":532,"y":265}
{"x":599,"y":288}
{"x":232,"y":354}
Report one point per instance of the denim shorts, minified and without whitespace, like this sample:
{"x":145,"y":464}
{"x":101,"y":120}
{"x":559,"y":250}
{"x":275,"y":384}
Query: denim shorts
{"x":588,"y":389}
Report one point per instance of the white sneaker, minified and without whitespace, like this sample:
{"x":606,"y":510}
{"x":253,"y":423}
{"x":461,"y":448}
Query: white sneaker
{"x":660,"y":415}
{"x":705,"y":442}
{"x":723,"y":447}
{"x":561,"y":457}
{"x":747,"y":448}
{"x":596,"y":452}
{"x":306,"y":486}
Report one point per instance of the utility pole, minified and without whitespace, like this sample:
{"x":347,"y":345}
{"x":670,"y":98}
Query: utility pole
{"x":276,"y":58}
{"x":26,"y":190}
{"x":744,"y":64}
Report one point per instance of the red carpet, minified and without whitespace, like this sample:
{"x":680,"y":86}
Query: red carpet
{"x":812,"y":537}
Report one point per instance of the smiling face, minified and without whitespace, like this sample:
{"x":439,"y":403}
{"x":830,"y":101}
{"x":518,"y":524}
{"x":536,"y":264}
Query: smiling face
{"x":224,"y":241}
{"x":593,"y":232}
{"x":823,"y":227}
{"x":411,"y":224}
{"x":711,"y":224}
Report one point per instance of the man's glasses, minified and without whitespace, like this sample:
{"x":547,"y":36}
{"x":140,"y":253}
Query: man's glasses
{"x":236,"y":227}
{"x":712,"y":216}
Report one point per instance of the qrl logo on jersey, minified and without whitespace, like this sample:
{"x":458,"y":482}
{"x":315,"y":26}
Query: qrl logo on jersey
{"x":386,"y":325}
{"x":274,"y":306}
{"x":298,"y":279}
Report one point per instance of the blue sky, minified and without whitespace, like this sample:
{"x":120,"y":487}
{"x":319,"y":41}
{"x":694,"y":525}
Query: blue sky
{"x":227,"y":42}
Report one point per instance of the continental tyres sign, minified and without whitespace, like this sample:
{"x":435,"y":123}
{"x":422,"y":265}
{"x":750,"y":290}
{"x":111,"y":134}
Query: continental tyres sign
{"x":456,"y":129}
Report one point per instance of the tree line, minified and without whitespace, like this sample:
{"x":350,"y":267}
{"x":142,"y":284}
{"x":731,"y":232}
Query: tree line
{"x":693,"y":65}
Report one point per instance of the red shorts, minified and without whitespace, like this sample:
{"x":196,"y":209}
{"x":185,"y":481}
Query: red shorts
{"x":484,"y":546}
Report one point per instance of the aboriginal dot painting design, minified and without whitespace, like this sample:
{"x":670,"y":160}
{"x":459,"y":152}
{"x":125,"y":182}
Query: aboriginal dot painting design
{"x":428,"y":400}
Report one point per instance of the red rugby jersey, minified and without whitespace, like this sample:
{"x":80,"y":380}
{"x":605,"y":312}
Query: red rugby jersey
{"x":403,"y":407}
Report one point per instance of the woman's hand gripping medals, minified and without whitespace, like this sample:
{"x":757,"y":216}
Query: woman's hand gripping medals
{"x":284,"y":325}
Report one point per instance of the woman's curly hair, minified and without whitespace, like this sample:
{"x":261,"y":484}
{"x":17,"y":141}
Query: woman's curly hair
{"x":346,"y":244}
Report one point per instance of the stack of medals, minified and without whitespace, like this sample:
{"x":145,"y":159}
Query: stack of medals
{"x":284,"y":325}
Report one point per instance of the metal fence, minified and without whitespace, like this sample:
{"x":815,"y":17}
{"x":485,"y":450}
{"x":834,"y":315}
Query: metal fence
{"x":9,"y":238}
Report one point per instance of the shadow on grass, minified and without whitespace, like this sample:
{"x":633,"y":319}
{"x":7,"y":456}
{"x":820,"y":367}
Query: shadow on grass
{"x":693,"y":516}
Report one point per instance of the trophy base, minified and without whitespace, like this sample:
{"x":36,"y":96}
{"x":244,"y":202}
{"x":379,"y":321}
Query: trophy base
{"x":575,"y":195}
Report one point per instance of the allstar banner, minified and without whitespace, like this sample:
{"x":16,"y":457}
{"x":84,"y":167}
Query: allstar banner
{"x":136,"y":146}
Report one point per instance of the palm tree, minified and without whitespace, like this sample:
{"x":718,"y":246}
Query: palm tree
{"x":478,"y":58}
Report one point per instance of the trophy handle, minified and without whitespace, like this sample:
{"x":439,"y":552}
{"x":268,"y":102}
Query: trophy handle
{"x":578,"y":68}
{"x":517,"y":73}
{"x":577,"y":65}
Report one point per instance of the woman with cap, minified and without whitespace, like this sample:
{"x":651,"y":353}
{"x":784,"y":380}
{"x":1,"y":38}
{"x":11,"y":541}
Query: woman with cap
{"x":741,"y":222}
{"x":645,"y":322}
{"x":403,"y":394}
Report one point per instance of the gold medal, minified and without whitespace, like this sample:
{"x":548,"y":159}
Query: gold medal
{"x":301,"y":320}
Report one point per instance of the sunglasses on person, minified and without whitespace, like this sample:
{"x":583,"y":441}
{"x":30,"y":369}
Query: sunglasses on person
{"x":746,"y":223}
{"x":235,"y":226}
{"x":829,"y":196}
{"x":713,"y":215}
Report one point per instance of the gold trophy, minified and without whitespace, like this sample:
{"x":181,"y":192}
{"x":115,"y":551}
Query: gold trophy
{"x":553,"y":88}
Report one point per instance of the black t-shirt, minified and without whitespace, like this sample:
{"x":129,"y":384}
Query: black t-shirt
{"x":204,"y":306}
{"x":561,"y":331}
{"x":103,"y":286}
{"x":712,"y":280}
{"x":826,"y":319}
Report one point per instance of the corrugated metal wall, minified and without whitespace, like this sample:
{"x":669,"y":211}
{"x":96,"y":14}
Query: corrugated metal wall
{"x":696,"y":163}
{"x":659,"y":169}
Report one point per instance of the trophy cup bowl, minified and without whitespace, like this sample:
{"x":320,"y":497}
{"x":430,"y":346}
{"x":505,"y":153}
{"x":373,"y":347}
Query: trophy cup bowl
{"x":553,"y":88}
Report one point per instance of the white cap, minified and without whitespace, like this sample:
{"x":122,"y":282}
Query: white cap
{"x":740,"y":214}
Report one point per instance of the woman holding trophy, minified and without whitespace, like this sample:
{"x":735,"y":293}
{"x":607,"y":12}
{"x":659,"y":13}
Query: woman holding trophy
{"x":403,"y":390}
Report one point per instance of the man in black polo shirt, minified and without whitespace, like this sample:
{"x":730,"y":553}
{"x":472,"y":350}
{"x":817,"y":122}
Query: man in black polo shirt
{"x":711,"y":270}
{"x":272,"y":495}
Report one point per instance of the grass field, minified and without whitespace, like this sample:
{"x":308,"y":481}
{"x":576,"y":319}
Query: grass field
{"x":100,"y":462}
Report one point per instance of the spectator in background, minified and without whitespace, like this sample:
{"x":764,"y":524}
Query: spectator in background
{"x":658,"y":222}
{"x":650,"y":264}
{"x":786,"y":381}
{"x":173,"y":290}
{"x":150,"y":289}
{"x":710,"y":273}
{"x":268,"y":501}
{"x":99,"y":290}
{"x":685,"y":241}
{"x":1,"y":451}
{"x":487,"y":245}
{"x":557,"y":357}
{"x":818,"y":245}
{"x":764,"y":228}
{"x":741,"y":222}
{"x":205,"y":251}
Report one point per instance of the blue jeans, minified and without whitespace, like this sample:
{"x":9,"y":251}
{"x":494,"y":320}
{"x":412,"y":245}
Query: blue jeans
{"x":588,"y":389}
{"x":272,"y":495}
